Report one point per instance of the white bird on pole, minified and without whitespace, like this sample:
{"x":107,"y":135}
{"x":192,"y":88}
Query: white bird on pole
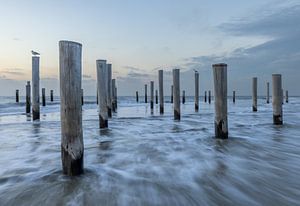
{"x":34,"y":53}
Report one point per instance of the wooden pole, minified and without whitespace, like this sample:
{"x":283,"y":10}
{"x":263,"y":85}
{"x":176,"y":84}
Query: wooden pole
{"x":145,"y":93}
{"x":183,"y":97}
{"x":268,"y":92}
{"x":156,"y":96}
{"x":116,"y":97}
{"x":113,"y":88}
{"x":97,"y":97}
{"x":72,"y":148}
{"x":35,"y":88}
{"x":233,"y":97}
{"x":109,"y":90}
{"x":196,"y":91}
{"x":137,"y":96}
{"x":176,"y":93}
{"x":209,"y":96}
{"x":254,"y":94}
{"x":43,"y":97}
{"x":220,"y":92}
{"x":172,"y":93}
{"x":277,"y":99}
{"x":51,"y":95}
{"x":282,"y":96}
{"x":205,"y":96}
{"x":287,"y":96}
{"x":151,"y":95}
{"x":28,"y":91}
{"x":102,"y":92}
{"x":17,"y":96}
{"x":161,"y":91}
{"x":82,"y":99}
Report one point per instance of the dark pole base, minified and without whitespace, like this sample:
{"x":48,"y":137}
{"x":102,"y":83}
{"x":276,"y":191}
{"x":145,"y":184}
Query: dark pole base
{"x":71,"y":167}
{"x":109,"y":112}
{"x":176,"y":115}
{"x":183,"y":100}
{"x":151,"y":105}
{"x":277,"y":119}
{"x":161,"y":110}
{"x":254,"y":109}
{"x":219,"y":132}
{"x":196,"y":107}
{"x":113,"y":107}
{"x":171,"y":99}
{"x":102,"y":123}
{"x":145,"y":99}
{"x":268,"y":102}
{"x":35,"y":115}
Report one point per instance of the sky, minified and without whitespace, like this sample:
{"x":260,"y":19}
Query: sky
{"x":255,"y":38}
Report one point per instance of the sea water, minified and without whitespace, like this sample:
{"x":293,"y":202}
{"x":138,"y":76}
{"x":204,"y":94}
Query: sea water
{"x":145,"y":158}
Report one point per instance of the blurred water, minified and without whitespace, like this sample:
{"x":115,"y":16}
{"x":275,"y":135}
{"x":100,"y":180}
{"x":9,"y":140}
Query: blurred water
{"x":145,"y":159}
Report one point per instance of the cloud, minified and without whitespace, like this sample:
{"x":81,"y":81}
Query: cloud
{"x":13,"y":71}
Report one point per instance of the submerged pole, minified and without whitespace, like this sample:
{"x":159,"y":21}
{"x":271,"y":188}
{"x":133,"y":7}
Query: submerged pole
{"x":183,"y":97}
{"x":109,"y":90}
{"x":43,"y":97}
{"x":254,"y":94}
{"x":277,"y":99}
{"x":151,"y":95}
{"x":268,"y":92}
{"x":205,"y":96}
{"x":70,"y":108}
{"x":116,"y":97}
{"x":196,"y":91}
{"x":176,"y":93}
{"x":220,"y":92}
{"x":102,"y":92}
{"x":156,"y":96}
{"x":82,"y":100}
{"x":17,"y":96}
{"x":233,"y":97}
{"x":145,"y":93}
{"x":172,"y":93}
{"x":287,"y":96}
{"x":28,"y":91}
{"x":161,"y":91}
{"x":35,"y":88}
{"x":209,"y":96}
{"x":137,"y":96}
{"x":113,"y":86}
{"x":51,"y":95}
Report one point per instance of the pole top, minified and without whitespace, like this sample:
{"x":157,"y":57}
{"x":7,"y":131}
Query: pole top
{"x":69,"y":42}
{"x":278,"y":75}
{"x":101,"y":60}
{"x":220,"y":65}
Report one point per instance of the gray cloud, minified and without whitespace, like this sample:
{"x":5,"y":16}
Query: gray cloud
{"x":13,"y":71}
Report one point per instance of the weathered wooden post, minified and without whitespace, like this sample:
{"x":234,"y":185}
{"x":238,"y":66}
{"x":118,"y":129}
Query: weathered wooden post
{"x":116,"y":97}
{"x":176,"y":93}
{"x":51,"y":95}
{"x":35,"y":88}
{"x":102,"y":92}
{"x":196,"y":91}
{"x":183,"y":97}
{"x":161,"y":90}
{"x":287,"y":96}
{"x":145,"y":93}
{"x":156,"y":96}
{"x":17,"y":96}
{"x":151,"y":95}
{"x":43,"y":97}
{"x":277,"y":99}
{"x":72,"y":148}
{"x":28,"y":91}
{"x":209,"y":96}
{"x":233,"y":97}
{"x":268,"y":92}
{"x":109,"y":90}
{"x":220,"y":92}
{"x":172,"y":93}
{"x":113,"y":88}
{"x":82,"y":100}
{"x":254,"y":94}
{"x":205,"y":96}
{"x":137,"y":96}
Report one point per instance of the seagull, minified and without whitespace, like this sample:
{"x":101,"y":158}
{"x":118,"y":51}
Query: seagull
{"x":34,"y":53}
